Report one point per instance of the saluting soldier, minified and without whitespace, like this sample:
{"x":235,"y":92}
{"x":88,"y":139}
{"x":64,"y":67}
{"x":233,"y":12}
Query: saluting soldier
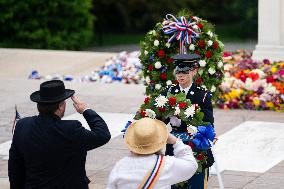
{"x":185,"y":71}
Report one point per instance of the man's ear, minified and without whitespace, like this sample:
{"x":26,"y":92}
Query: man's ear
{"x":61,"y":105}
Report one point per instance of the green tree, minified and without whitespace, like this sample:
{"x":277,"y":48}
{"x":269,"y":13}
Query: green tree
{"x":53,"y":24}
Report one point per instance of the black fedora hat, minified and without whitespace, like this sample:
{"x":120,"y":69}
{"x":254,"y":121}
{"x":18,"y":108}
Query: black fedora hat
{"x":51,"y":92}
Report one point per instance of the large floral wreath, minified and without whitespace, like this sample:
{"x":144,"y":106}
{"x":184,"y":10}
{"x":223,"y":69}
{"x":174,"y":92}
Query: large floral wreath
{"x":198,"y":134}
{"x":186,"y":34}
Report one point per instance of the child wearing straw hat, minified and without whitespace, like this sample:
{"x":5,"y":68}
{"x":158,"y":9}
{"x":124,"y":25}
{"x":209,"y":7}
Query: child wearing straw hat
{"x":145,"y":167}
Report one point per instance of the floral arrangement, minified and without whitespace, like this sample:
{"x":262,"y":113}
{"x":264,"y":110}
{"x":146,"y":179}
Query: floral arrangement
{"x":249,"y":84}
{"x":185,"y":34}
{"x":198,"y":134}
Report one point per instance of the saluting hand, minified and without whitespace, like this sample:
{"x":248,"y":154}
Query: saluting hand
{"x":78,"y":104}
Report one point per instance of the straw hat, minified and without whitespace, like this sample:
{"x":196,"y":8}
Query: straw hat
{"x":146,"y":136}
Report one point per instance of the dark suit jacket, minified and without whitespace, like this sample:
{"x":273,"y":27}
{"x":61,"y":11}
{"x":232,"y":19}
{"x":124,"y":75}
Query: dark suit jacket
{"x":48,"y":152}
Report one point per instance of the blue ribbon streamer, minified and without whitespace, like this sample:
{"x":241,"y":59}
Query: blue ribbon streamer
{"x":125,"y":128}
{"x":202,"y":138}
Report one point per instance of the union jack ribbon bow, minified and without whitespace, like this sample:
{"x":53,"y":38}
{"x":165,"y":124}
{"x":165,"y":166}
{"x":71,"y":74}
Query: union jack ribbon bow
{"x":181,"y":30}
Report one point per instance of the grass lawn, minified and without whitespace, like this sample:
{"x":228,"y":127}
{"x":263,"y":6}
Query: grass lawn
{"x":226,"y":33}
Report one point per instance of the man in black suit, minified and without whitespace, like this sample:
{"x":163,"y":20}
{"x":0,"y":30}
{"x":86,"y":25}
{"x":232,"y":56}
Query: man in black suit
{"x":47,"y":152}
{"x":185,"y":71}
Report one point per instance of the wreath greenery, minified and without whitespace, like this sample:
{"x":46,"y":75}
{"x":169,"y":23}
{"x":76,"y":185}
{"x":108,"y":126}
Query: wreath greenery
{"x":157,"y":50}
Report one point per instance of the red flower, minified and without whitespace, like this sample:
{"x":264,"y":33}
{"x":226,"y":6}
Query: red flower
{"x":191,"y":17}
{"x":146,"y":100}
{"x":143,"y":113}
{"x":200,"y":25}
{"x":270,"y":79}
{"x":172,"y":101}
{"x":243,"y":78}
{"x":208,"y":54}
{"x":215,"y":45}
{"x":200,"y":156}
{"x":161,"y":53}
{"x":201,"y":44}
{"x":197,"y":52}
{"x":162,"y":109}
{"x":191,"y":144}
{"x":182,"y":105}
{"x":226,"y":54}
{"x":253,"y":76}
{"x":150,"y":67}
{"x":170,"y":60}
{"x":198,"y":80}
{"x":163,"y":76}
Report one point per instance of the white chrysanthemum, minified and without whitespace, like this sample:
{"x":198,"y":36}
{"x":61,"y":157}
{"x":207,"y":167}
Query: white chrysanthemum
{"x":150,"y":113}
{"x":213,"y":89}
{"x":204,"y":87}
{"x":156,"y":43}
{"x":158,"y":86}
{"x":147,"y":79}
{"x":161,"y":101}
{"x":191,"y":129}
{"x":168,"y":45}
{"x":169,"y":82}
{"x":209,"y":43}
{"x":191,"y":47}
{"x":177,"y":110}
{"x":220,"y":64}
{"x":152,"y":32}
{"x":202,"y":63}
{"x":158,"y":65}
{"x":211,"y":71}
{"x":145,"y":52}
{"x":210,"y":33}
{"x":190,"y":111}
{"x":200,"y":71}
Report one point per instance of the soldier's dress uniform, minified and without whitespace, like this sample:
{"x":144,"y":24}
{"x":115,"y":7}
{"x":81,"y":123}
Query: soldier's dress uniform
{"x":197,"y":95}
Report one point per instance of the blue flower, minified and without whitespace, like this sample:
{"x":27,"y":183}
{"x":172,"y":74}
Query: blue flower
{"x":152,"y":58}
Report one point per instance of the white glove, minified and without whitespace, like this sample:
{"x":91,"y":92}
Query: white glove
{"x":176,"y":122}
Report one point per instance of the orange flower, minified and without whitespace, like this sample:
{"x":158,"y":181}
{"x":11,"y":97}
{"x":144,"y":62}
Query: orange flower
{"x":279,"y":86}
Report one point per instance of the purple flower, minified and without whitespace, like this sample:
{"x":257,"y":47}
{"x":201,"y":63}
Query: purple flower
{"x":163,"y":69}
{"x":248,"y":105}
{"x":266,"y":61}
{"x":281,"y":72}
{"x":260,"y":90}
{"x":152,"y":58}
{"x":218,"y":75}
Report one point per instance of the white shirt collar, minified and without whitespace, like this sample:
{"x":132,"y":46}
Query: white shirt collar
{"x":185,"y":89}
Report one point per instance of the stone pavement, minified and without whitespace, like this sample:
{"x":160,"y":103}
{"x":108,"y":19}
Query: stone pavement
{"x":120,"y":98}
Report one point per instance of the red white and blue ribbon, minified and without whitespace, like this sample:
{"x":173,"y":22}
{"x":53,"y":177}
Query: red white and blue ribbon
{"x":154,"y":172}
{"x":181,"y":30}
